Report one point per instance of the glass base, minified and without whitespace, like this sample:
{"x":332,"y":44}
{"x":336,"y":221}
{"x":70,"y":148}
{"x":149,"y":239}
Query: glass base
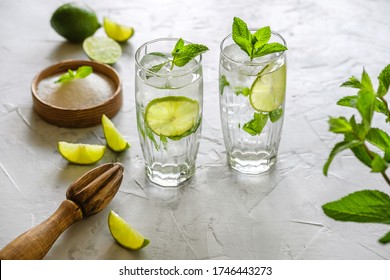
{"x":169,"y":175}
{"x":252,"y":163}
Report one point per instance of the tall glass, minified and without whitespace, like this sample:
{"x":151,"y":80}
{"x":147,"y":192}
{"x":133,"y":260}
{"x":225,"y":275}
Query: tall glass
{"x":252,"y":99}
{"x":169,"y":104}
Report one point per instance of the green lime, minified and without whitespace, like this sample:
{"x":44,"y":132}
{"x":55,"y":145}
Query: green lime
{"x":81,"y":153}
{"x":116,"y":31}
{"x":171,"y":116}
{"x":114,"y":138}
{"x":102,"y":49}
{"x":268,"y":91}
{"x":75,"y":22}
{"x":124,"y":234}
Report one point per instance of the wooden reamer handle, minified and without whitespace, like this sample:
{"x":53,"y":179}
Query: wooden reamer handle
{"x":36,"y":242}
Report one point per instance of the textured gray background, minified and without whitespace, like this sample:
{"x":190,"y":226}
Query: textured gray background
{"x":220,"y":214}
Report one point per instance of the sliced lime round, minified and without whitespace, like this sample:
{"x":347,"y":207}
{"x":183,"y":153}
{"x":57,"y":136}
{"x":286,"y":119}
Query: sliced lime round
{"x":102,"y":49}
{"x":171,"y":116}
{"x":81,"y":153}
{"x":268,"y":91}
{"x":125,"y":234}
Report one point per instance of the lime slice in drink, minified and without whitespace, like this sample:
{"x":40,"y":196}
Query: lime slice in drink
{"x":102,"y":49}
{"x":81,"y":153}
{"x":171,"y":116}
{"x":124,"y":234}
{"x":267,"y":91}
{"x":114,"y":138}
{"x":116,"y":31}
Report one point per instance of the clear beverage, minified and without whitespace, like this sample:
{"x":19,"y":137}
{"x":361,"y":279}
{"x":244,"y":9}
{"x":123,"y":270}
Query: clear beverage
{"x":251,"y":135}
{"x":169,"y":153}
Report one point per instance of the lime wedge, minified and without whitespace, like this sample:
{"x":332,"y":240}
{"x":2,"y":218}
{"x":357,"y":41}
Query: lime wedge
{"x":268,"y":91}
{"x":171,"y":116}
{"x":102,"y":49}
{"x":116,"y":31}
{"x":114,"y":138}
{"x":124,"y":234}
{"x":81,"y":153}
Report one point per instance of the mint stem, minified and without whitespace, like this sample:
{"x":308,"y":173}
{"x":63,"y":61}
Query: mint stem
{"x":386,"y":104}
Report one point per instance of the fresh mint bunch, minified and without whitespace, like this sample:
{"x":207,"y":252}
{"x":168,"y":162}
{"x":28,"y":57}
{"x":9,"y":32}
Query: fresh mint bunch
{"x":370,"y":145}
{"x":182,"y":54}
{"x":80,"y":73}
{"x":255,"y":45}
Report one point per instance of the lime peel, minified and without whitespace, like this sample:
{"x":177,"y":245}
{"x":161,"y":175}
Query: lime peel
{"x":124,"y":234}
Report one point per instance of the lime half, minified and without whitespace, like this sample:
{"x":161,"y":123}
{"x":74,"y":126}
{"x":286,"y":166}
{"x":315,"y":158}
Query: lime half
{"x":114,"y":138}
{"x":124,"y":234}
{"x":102,"y":49}
{"x":116,"y":31}
{"x":81,"y":153}
{"x":268,"y":91}
{"x":171,"y":116}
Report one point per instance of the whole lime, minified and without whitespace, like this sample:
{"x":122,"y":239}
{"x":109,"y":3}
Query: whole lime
{"x":75,"y":22}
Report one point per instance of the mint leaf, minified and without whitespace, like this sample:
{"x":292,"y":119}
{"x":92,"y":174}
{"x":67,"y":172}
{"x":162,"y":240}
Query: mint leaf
{"x":245,"y":91}
{"x":275,"y":115}
{"x":83,"y":72}
{"x":339,"y":147}
{"x":361,"y":154}
{"x":348,"y":101}
{"x":340,"y":125}
{"x":80,"y":73}
{"x":378,"y":164}
{"x":256,"y":125}
{"x":378,"y":138}
{"x":158,"y":54}
{"x":385,"y":239}
{"x":242,"y":36}
{"x":359,"y":151}
{"x":365,"y":105}
{"x":268,"y":49}
{"x":157,"y":67}
{"x":178,"y":47}
{"x":366,"y":81}
{"x":182,"y":54}
{"x":223,"y":82}
{"x":185,"y":53}
{"x":351,"y":101}
{"x":164,"y":141}
{"x":150,"y":135}
{"x":367,"y":206}
{"x":353,"y":82}
{"x":262,"y":36}
{"x":387,"y":155}
{"x":384,"y":81}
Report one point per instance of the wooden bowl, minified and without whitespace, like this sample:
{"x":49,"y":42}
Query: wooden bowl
{"x":77,"y":118}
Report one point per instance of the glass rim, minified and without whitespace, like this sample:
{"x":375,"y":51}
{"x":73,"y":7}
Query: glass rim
{"x":144,"y":45}
{"x":251,"y":62}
